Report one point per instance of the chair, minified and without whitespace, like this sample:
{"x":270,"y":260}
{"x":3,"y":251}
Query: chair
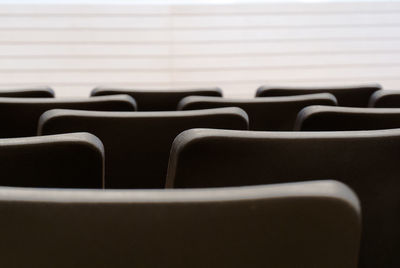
{"x":354,"y":96}
{"x":157,"y":100}
{"x":290,"y":225}
{"x":385,"y":99}
{"x":34,"y":92}
{"x":367,"y":161}
{"x":329,"y":118}
{"x":137,"y":144}
{"x":59,"y":161}
{"x":19,"y":116}
{"x":278,"y":113}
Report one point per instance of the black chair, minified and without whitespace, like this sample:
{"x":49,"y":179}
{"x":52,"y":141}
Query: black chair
{"x":290,"y":225}
{"x":278,"y":113}
{"x":32,"y":92}
{"x":367,"y":161}
{"x":355,"y":96}
{"x":385,"y":99}
{"x":137,"y":144}
{"x":157,"y":100}
{"x":328,"y":118}
{"x":59,"y":161}
{"x":19,"y":116}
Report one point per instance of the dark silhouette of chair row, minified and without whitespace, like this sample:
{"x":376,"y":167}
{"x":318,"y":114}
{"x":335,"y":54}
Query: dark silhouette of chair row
{"x":157,"y":100}
{"x":278,"y":113}
{"x":19,"y":116}
{"x":135,"y":139}
{"x":365,"y":95}
{"x":353,"y":96}
{"x":265,"y":112}
{"x":137,"y":144}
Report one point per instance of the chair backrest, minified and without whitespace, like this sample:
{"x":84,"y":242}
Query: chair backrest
{"x":31,"y":92}
{"x":367,"y":161}
{"x":385,"y":99}
{"x":19,"y":116}
{"x":62,"y":161}
{"x":355,"y":96}
{"x":290,"y":225}
{"x":329,"y":118}
{"x":137,"y":144}
{"x":158,"y":100}
{"x":277,"y":113}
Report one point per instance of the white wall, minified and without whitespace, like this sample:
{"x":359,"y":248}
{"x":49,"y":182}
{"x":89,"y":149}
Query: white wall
{"x":74,"y":47}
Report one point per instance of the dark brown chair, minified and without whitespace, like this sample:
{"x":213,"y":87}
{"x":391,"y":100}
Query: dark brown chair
{"x":31,"y":92}
{"x":329,"y":118}
{"x":58,"y":161}
{"x":367,"y":161}
{"x":312,"y":224}
{"x":278,"y":113}
{"x":385,"y":99}
{"x":19,"y":116}
{"x":353,"y":96}
{"x":137,"y":144}
{"x":157,"y":100}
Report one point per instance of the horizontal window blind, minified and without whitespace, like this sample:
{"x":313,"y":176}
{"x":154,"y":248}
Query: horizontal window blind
{"x":238,"y":47}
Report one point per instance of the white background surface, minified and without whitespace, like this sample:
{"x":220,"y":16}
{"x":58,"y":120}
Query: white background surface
{"x":74,"y":47}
